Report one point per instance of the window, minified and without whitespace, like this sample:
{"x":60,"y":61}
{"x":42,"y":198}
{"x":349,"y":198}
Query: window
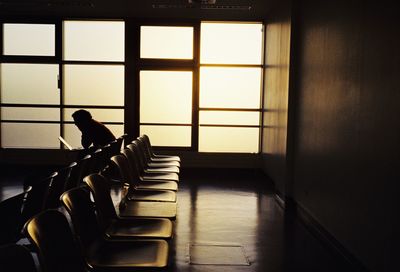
{"x":39,"y":93}
{"x":166,"y":87}
{"x":89,"y":82}
{"x":230,"y":87}
{"x":29,"y":92}
{"x":29,"y":39}
{"x":194,"y":86}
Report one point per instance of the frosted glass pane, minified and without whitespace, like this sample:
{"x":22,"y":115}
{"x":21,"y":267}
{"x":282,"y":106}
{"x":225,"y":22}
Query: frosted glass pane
{"x":73,"y":135}
{"x":29,"y":83}
{"x":94,"y":85}
{"x":30,"y":114}
{"x":96,"y":41}
{"x":165,"y":97}
{"x":230,"y":87}
{"x":24,"y":135}
{"x":229,"y":118}
{"x":230,"y":43}
{"x":222,"y":139}
{"x":168,"y":135}
{"x":166,"y":42}
{"x":102,"y":115}
{"x":29,"y":39}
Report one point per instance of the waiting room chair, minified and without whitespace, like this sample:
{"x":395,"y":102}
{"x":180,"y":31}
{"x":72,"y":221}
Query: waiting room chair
{"x":13,"y":220}
{"x":153,"y":162}
{"x":157,"y":157}
{"x":100,"y":188}
{"x":151,"y":166}
{"x":15,"y":257}
{"x":148,"y":166}
{"x":101,"y":253}
{"x":148,"y":175}
{"x":58,"y":251}
{"x":139,"y":194}
{"x":142,"y":182}
{"x":110,"y":225}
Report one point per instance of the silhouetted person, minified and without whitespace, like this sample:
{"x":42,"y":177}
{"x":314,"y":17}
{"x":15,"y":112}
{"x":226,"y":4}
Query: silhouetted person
{"x":93,"y":132}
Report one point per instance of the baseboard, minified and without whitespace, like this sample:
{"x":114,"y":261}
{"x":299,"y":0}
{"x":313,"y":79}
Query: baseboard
{"x":318,"y":231}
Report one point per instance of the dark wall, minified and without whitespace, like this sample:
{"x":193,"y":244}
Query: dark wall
{"x":347,"y":126}
{"x":276,"y":95}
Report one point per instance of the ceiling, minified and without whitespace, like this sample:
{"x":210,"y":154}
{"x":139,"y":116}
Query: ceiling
{"x":162,"y":9}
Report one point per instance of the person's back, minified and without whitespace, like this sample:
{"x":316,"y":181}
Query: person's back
{"x":93,"y":132}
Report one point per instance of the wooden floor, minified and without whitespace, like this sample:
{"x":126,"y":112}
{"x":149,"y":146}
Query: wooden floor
{"x":229,"y":218}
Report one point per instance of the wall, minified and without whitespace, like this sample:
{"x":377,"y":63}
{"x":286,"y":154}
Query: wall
{"x":347,"y":131}
{"x":275,"y":98}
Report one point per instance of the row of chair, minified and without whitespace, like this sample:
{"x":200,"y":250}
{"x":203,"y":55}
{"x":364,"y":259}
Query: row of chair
{"x":44,"y":191}
{"x":128,"y":235}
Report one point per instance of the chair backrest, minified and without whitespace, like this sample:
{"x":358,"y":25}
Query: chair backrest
{"x":146,"y":149}
{"x":12,"y":223}
{"x":49,"y":232}
{"x":139,"y":153}
{"x":15,"y":257}
{"x":116,"y":146}
{"x":146,"y":140}
{"x":74,"y":176}
{"x":36,"y":198}
{"x":81,"y":209}
{"x":125,"y":169}
{"x":56,"y":188}
{"x":87,"y":164}
{"x":100,"y":189}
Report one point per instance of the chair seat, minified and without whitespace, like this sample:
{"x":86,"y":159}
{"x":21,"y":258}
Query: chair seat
{"x":125,"y":228}
{"x":165,"y":158}
{"x":132,"y":255}
{"x":153,"y":195}
{"x":158,"y":185}
{"x":158,"y":169}
{"x":165,"y":176}
{"x":148,"y":209}
{"x":162,"y":163}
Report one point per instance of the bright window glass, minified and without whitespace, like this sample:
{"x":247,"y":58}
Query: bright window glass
{"x":73,"y":136}
{"x":231,"y":43}
{"x":94,"y":85}
{"x":29,"y":39}
{"x":166,"y":97}
{"x":94,"y":40}
{"x":166,"y":42}
{"x":168,"y":135}
{"x":30,"y":114}
{"x":102,"y":115}
{"x":229,"y":118}
{"x":29,"y":83}
{"x":28,"y":135}
{"x":222,"y":87}
{"x":228,"y":139}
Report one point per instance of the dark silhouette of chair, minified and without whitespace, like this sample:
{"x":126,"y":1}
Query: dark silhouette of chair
{"x":150,"y":175}
{"x":143,"y":183}
{"x":56,"y":188}
{"x":110,"y":225}
{"x":12,"y":220}
{"x":101,"y":192}
{"x":16,"y":258}
{"x":102,"y":254}
{"x":134,"y":193}
{"x":36,"y":198}
{"x":157,"y":157}
{"x":50,"y":234}
{"x":147,"y":155}
{"x":87,"y":165}
{"x":74,"y":178}
{"x":147,"y":165}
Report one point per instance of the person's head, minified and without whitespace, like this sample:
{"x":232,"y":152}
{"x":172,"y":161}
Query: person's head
{"x":81,"y":118}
